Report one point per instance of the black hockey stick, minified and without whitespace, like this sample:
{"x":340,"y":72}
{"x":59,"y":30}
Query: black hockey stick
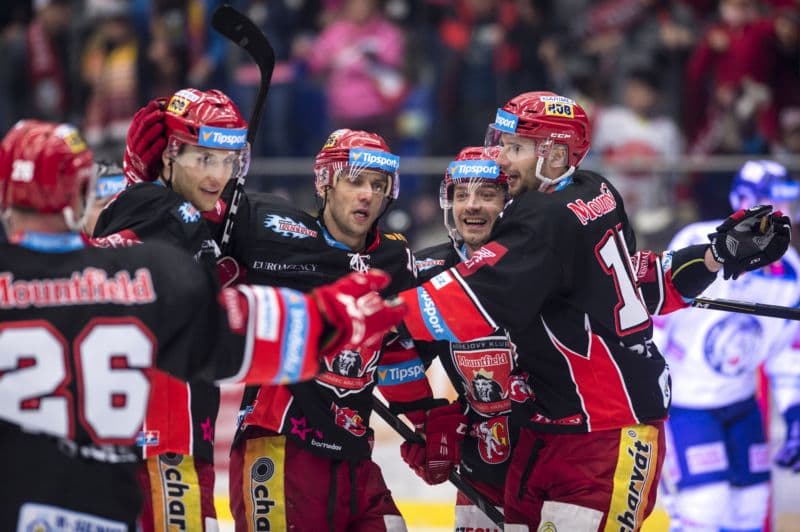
{"x":241,"y":30}
{"x":745,"y":307}
{"x":465,"y":487}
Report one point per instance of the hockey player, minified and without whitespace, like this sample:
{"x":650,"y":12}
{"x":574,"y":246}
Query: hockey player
{"x":718,"y":459}
{"x":81,"y":329}
{"x":472,"y":195}
{"x":558,"y":276}
{"x":110,"y":181}
{"x":202,"y":141}
{"x":302,"y":455}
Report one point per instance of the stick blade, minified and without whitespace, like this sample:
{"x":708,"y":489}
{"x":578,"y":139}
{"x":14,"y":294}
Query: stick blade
{"x":238,"y":27}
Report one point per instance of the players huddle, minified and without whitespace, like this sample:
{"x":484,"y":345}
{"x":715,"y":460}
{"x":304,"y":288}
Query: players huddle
{"x":120,"y":312}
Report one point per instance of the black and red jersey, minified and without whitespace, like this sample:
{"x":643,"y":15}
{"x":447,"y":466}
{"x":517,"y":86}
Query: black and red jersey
{"x":278,"y":244}
{"x":559,"y":277}
{"x":151,"y":212}
{"x":81,"y":331}
{"x":482,"y":373}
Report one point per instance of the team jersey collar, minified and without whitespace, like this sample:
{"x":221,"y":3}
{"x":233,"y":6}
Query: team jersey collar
{"x":336,"y":244}
{"x":49,"y":242}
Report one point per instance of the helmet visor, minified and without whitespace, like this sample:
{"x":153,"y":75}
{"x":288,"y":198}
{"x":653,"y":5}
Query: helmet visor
{"x":362,"y":162}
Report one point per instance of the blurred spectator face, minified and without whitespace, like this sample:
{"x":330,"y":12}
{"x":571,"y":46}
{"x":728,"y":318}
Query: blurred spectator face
{"x":737,"y":13}
{"x":54,"y":15}
{"x":640,"y":97}
{"x":790,"y":129}
{"x":360,"y":11}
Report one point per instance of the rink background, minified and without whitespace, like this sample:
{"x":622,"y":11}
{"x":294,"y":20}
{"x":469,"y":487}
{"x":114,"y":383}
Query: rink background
{"x":430,"y":508}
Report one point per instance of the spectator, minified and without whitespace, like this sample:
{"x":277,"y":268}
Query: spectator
{"x":360,"y":55}
{"x":34,"y":77}
{"x":110,"y":73}
{"x":637,"y":131}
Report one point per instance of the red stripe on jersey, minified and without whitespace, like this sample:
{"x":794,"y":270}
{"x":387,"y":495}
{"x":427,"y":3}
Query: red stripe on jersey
{"x":598,"y":383}
{"x":488,"y":255}
{"x":169,"y":416}
{"x":270,"y":408}
{"x":444,"y":299}
{"x":673,"y":300}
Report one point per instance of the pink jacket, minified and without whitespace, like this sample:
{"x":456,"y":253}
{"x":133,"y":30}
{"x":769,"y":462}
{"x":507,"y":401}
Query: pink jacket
{"x":352,"y":56}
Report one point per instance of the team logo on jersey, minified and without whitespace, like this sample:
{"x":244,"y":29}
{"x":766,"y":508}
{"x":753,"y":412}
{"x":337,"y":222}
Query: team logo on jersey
{"x":518,"y":389}
{"x":347,"y":363}
{"x":189,"y":214}
{"x":731,"y":346}
{"x":349,"y":419}
{"x":349,"y":371}
{"x":358,"y":262}
{"x":494,"y":446}
{"x":485,"y":367}
{"x":428,"y":263}
{"x":285,"y":226}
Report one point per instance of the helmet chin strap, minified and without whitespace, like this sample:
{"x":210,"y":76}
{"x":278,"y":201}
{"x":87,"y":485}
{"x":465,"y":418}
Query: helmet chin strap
{"x":546,"y":182}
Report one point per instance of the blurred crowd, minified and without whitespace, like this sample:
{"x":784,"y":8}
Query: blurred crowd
{"x":661,"y":78}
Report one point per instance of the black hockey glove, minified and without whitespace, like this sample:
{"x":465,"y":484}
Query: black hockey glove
{"x":749,"y":239}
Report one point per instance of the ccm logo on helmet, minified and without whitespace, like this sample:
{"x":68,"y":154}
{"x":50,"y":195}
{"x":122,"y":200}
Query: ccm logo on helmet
{"x":374,"y":159}
{"x":220,"y":137}
{"x":505,"y":121}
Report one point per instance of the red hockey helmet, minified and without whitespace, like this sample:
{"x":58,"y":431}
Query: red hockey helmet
{"x":356,"y":151}
{"x":547,"y":118}
{"x":44,"y":167}
{"x":471,"y":166}
{"x":207,"y":119}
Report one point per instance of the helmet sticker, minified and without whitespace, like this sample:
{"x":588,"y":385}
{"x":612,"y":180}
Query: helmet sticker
{"x":220,"y":137}
{"x":476,"y":169}
{"x":109,"y":185}
{"x":71,"y":137}
{"x":178,"y":105}
{"x":374,"y":159}
{"x":189,"y":95}
{"x":505,"y":121}
{"x":333,"y":138}
{"x":559,"y":109}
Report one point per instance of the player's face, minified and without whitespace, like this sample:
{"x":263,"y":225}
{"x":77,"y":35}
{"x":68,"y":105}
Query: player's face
{"x":199,"y":174}
{"x":518,"y":156}
{"x":353,"y":204}
{"x":476,"y":206}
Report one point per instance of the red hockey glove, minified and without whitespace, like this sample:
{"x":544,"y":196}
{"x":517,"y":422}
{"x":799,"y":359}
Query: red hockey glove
{"x":444,"y":430}
{"x":145,"y":143}
{"x":750,"y":239}
{"x":354,"y":308}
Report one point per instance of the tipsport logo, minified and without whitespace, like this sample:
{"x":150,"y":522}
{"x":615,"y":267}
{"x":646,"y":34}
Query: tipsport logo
{"x":374,"y":159}
{"x":220,"y":137}
{"x":109,"y":185}
{"x":506,"y":122}
{"x":478,"y":169}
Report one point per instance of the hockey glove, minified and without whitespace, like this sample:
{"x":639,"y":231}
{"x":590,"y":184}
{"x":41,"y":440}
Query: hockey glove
{"x":358,"y":314}
{"x":145,"y":143}
{"x":749,"y":239}
{"x":444,"y":428}
{"x":789,"y":455}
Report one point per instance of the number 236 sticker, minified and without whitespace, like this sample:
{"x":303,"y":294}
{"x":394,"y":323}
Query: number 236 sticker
{"x":559,"y":109}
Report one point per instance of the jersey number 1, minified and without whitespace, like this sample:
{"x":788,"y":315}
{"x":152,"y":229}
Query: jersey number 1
{"x":630,"y":314}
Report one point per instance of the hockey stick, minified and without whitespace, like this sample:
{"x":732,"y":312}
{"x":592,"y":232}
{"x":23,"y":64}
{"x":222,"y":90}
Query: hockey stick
{"x":745,"y":307}
{"x":409,"y":435}
{"x":238,"y":28}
